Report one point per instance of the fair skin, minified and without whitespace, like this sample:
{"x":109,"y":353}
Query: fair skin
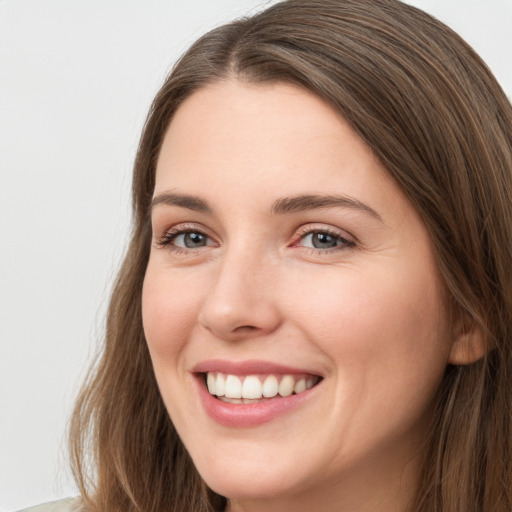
{"x":345,"y":292}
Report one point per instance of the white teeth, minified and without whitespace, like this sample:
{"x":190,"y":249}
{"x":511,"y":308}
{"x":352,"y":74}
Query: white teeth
{"x":270,"y":386}
{"x":220,"y":385}
{"x":253,"y":387}
{"x":233,"y":387}
{"x":286,"y":385}
{"x":300,"y":386}
{"x":210,"y":382}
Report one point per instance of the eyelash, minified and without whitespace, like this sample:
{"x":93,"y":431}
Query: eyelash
{"x":170,"y":236}
{"x":344,"y":243}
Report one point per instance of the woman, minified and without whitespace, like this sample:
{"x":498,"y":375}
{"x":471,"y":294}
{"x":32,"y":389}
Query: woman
{"x":315,"y":309}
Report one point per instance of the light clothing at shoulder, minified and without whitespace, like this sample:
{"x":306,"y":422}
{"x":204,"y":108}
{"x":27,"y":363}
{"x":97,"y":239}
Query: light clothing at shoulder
{"x":65,"y":505}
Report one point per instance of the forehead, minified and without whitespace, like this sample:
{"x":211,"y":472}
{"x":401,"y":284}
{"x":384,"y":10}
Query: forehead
{"x":268,"y":141}
{"x":232,"y":111}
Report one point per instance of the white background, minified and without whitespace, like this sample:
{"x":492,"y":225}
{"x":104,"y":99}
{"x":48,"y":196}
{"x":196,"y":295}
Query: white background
{"x":76,"y":80}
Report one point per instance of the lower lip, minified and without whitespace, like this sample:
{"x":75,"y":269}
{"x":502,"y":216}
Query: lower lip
{"x":249,"y":415}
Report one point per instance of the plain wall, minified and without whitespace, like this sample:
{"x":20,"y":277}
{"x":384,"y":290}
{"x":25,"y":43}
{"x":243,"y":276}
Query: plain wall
{"x":76,"y":80}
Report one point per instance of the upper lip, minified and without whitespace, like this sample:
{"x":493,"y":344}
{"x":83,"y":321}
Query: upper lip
{"x":249,"y":367}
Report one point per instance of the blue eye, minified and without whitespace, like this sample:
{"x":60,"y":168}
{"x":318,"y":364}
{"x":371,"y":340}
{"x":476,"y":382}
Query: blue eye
{"x":324,"y":240}
{"x":183,"y":238}
{"x":190,"y":240}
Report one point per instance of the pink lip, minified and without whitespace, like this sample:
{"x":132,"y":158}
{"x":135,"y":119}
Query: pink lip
{"x":247,"y":368}
{"x":247,"y":415}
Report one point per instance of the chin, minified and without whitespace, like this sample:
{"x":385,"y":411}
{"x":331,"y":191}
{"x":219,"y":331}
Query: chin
{"x":249,"y":479}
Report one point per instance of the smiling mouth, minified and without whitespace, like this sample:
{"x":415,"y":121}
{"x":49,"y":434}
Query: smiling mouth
{"x":258,"y":388}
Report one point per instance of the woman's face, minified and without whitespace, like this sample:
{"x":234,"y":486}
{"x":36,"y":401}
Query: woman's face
{"x":286,"y":260}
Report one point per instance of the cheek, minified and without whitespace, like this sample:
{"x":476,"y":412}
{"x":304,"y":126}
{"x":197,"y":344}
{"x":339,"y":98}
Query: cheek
{"x":169,"y":311}
{"x":386,"y":333}
{"x":369,"y":305}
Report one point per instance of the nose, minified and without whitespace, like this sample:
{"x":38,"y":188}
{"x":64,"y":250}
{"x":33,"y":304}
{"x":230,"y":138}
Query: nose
{"x":241,"y":301}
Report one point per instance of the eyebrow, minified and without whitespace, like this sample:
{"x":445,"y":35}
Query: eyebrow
{"x":314,"y":202}
{"x":281,"y":206}
{"x":183,"y":200}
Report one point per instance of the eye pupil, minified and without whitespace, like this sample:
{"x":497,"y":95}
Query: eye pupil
{"x":324,"y":241}
{"x":191,"y":240}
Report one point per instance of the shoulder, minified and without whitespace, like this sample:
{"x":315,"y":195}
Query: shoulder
{"x":65,"y":505}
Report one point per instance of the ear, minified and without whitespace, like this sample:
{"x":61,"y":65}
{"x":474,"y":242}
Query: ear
{"x":468,"y":344}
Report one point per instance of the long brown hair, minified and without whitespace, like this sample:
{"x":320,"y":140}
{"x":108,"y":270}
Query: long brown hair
{"x":437,"y":119}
